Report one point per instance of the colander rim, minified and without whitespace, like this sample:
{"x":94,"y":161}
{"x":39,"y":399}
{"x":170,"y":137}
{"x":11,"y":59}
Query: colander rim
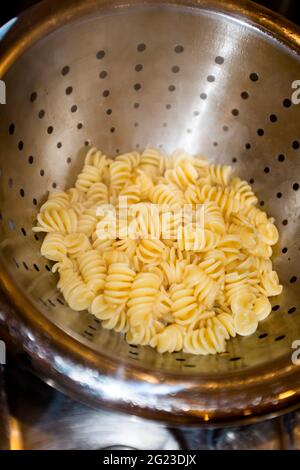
{"x":182,"y":400}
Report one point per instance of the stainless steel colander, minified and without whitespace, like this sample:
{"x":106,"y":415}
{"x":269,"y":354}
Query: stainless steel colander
{"x":207,"y":76}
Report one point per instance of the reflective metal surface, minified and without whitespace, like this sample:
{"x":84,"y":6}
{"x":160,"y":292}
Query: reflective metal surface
{"x":210,"y":76}
{"x":47,"y":419}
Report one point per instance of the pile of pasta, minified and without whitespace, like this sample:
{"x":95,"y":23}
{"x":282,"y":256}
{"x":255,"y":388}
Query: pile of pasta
{"x":174,"y":286}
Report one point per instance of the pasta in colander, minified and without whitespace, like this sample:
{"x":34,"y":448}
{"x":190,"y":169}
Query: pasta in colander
{"x":170,"y":251}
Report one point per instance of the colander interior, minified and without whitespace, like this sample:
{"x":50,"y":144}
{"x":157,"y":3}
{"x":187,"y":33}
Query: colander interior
{"x":170,"y":78}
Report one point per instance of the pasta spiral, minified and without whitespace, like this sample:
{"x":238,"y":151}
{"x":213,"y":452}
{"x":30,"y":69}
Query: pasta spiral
{"x":210,"y":339}
{"x":53,"y":220}
{"x":54,"y":246}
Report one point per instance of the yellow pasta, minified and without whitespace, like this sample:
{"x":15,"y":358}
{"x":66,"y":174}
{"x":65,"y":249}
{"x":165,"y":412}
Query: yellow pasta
{"x":171,"y":251}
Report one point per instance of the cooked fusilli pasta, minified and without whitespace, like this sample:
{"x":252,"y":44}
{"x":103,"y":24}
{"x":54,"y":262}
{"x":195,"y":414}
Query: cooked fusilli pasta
{"x":171,"y":251}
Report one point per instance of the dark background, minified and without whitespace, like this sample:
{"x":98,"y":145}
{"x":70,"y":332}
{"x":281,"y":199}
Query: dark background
{"x":288,"y":8}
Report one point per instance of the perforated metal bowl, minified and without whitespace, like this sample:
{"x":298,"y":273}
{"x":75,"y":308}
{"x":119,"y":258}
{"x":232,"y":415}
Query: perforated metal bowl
{"x":207,"y":76}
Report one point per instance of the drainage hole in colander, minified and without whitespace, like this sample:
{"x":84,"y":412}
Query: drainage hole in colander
{"x":293,"y":279}
{"x":292,"y":310}
{"x":171,"y":88}
{"x":69,"y":159}
{"x":105,"y":93}
{"x":137,"y":105}
{"x":273,"y":118}
{"x":235,"y":112}
{"x":22,"y":192}
{"x":203,"y":96}
{"x":234,"y":160}
{"x":109,"y":111}
{"x":112,"y":129}
{"x":42,"y":172}
{"x":91,"y":327}
{"x":36,"y":237}
{"x":260,"y":132}
{"x":141,"y":47}
{"x":210,"y":78}
{"x":284,"y":250}
{"x":60,"y":301}
{"x":225,"y":128}
{"x":47,"y":268}
{"x":179,"y":49}
{"x":59,"y":145}
{"x":137,"y":146}
{"x":30,"y":160}
{"x":295,"y":186}
{"x":267,"y":169}
{"x":279,"y":338}
{"x":50,"y":130}
{"x":285,"y":222}
{"x":244,"y":95}
{"x":51,"y":303}
{"x":215,"y":144}
{"x":263,"y":335}
{"x":247,"y":146}
{"x":219,"y":60}
{"x":25,"y":266}
{"x":286,"y":102}
{"x":20,"y":145}
{"x":262,"y":203}
{"x":54,"y":185}
{"x":180,"y":359}
{"x":10,"y":183}
{"x":73,"y":108}
{"x":174,"y":69}
{"x":69,"y":90}
{"x":11,"y":129}
{"x":134,"y":353}
{"x":79,"y":125}
{"x":24,"y":231}
{"x":16,"y":263}
{"x":65,"y":70}
{"x":87,"y":142}
{"x":281,"y":158}
{"x":36,"y":267}
{"x":251,"y":181}
{"x":295,"y":144}
{"x":275,"y":308}
{"x":100,"y":54}
{"x":279,"y":195}
{"x":138,"y":86}
{"x":33,"y":96}
{"x":34,"y":201}
{"x":233,"y":359}
{"x":41,"y":114}
{"x":103,"y":74}
{"x":253,"y":77}
{"x":138,"y":68}
{"x":88,"y":333}
{"x":196,"y":113}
